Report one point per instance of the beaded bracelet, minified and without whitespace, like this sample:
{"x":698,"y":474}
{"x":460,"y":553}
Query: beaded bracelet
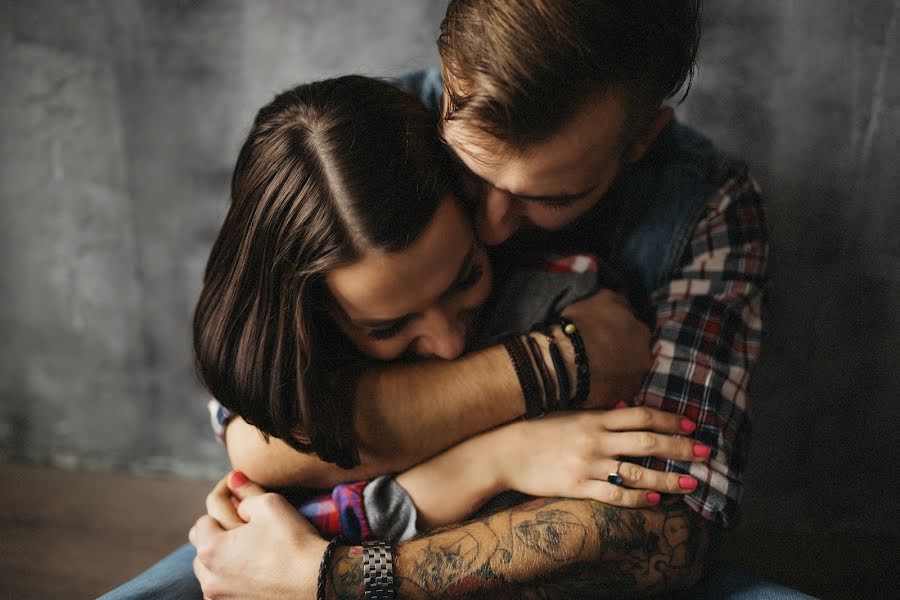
{"x":582,"y":368}
{"x":323,"y":566}
{"x":527,"y":379}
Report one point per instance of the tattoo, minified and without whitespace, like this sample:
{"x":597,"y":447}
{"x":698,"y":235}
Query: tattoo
{"x":554,"y":533}
{"x":547,"y":548}
{"x":347,"y":573}
{"x":443,"y":565}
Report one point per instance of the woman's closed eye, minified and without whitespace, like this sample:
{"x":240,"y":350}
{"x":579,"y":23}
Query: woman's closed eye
{"x":463,"y":284}
{"x":384,"y":333}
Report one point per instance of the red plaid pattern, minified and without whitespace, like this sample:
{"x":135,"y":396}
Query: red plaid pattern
{"x":707,"y":338}
{"x":340,"y":513}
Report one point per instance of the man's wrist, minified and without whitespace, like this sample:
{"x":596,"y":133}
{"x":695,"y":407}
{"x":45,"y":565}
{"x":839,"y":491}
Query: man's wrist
{"x":346,"y":579}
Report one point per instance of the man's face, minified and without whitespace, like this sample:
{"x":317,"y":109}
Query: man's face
{"x":547,"y":185}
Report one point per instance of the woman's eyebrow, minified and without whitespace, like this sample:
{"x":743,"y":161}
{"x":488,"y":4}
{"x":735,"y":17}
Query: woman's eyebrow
{"x":460,"y":276}
{"x":380,"y":323}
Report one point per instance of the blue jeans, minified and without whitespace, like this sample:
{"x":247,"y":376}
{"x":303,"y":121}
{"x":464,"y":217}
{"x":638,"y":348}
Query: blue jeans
{"x":173,"y":577}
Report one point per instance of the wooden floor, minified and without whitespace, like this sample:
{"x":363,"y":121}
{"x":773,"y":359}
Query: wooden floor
{"x":67,"y":534}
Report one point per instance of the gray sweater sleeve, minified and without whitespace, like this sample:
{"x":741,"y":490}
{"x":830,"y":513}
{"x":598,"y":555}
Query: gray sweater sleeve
{"x":390,"y":510}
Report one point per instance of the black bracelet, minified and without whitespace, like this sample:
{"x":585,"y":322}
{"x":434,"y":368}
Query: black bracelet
{"x":562,"y":373}
{"x":323,"y":566}
{"x":524,"y":371}
{"x":378,"y":571}
{"x":582,"y":368}
{"x":546,"y":381}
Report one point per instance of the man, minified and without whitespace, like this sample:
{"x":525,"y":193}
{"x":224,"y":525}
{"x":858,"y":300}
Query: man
{"x":554,"y":111}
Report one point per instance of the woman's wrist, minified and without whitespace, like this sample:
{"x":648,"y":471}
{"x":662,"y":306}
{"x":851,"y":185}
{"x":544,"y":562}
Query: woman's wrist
{"x":504,"y":447}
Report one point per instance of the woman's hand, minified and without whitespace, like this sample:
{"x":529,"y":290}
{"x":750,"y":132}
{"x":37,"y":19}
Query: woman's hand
{"x":222,"y":502}
{"x":571,"y":455}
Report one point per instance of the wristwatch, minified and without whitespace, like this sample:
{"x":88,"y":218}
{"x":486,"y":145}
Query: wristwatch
{"x":378,"y":571}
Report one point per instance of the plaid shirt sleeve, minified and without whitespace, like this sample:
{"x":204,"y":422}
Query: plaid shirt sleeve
{"x":707,"y":338}
{"x":340,"y":513}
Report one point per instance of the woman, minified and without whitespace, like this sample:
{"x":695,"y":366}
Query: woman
{"x":345,"y":244}
{"x":350,"y":206}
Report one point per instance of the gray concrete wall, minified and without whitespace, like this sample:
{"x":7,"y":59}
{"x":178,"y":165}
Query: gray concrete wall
{"x":121,"y":119}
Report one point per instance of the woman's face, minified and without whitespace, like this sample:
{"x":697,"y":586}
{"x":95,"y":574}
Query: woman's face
{"x":422,"y":299}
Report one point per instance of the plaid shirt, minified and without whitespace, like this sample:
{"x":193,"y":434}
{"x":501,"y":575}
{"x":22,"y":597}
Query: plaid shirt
{"x":707,"y":338}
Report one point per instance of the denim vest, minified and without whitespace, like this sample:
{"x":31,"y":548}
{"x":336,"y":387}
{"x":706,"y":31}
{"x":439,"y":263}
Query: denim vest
{"x":643,"y":224}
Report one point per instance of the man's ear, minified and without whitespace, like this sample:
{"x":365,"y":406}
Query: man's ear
{"x":650,"y":133}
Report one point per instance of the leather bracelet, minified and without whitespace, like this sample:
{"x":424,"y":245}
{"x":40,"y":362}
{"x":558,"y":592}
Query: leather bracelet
{"x":546,"y":381}
{"x":378,"y":571}
{"x":562,"y":373}
{"x":582,"y":368}
{"x":527,"y":379}
{"x":323,"y":566}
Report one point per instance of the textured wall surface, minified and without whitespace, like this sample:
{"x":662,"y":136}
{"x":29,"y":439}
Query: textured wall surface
{"x":121,"y":120}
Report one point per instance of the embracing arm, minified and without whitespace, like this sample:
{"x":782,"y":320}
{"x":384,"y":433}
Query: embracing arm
{"x":404,"y":414}
{"x":407,"y":413}
{"x":547,"y":548}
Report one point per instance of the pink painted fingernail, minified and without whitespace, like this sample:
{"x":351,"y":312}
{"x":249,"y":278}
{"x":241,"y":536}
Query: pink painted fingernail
{"x":687,"y":425}
{"x":653,"y":497}
{"x":687,"y":483}
{"x":619,"y":404}
{"x":237,"y":479}
{"x":702,"y":451}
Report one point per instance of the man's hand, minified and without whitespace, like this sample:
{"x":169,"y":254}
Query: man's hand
{"x":276,"y":554}
{"x":617,"y":346}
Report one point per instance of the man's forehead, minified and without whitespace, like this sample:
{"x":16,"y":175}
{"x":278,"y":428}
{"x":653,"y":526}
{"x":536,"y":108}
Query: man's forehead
{"x":556,"y":168}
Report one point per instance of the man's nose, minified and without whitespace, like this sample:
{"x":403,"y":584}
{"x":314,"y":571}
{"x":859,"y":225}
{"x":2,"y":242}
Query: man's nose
{"x":444,"y":335}
{"x":499,"y":216}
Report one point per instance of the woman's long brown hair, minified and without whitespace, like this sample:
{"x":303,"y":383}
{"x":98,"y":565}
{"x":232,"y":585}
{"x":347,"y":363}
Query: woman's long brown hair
{"x":330,"y":171}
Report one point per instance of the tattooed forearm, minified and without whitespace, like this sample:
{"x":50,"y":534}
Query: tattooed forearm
{"x":347,"y":573}
{"x":548,"y":548}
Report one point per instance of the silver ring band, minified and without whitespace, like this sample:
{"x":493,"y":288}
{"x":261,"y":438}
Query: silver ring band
{"x":614,"y":477}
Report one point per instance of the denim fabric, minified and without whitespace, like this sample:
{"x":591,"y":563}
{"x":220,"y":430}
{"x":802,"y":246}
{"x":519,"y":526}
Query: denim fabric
{"x":173,"y":578}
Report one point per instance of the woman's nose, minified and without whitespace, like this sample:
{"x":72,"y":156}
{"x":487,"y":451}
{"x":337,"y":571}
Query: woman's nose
{"x":444,"y":335}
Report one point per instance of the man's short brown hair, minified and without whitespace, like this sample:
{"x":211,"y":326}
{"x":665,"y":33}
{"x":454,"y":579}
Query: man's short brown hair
{"x":519,"y":69}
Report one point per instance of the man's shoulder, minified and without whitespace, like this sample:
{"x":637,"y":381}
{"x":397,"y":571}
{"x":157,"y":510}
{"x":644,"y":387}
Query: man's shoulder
{"x":683,"y":147}
{"x":425,"y":84}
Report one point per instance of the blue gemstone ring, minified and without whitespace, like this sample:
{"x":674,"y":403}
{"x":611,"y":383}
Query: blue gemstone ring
{"x":614,"y":477}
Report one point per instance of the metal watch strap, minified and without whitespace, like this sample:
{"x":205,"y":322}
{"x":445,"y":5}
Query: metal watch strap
{"x":378,"y":571}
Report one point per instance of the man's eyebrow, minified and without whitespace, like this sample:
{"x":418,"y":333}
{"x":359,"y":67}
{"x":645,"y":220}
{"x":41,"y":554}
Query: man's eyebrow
{"x":554,"y":198}
{"x":545,"y":199}
{"x":460,"y":275}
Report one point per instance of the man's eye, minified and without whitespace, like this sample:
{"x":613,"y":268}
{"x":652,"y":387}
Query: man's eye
{"x":386,"y":332}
